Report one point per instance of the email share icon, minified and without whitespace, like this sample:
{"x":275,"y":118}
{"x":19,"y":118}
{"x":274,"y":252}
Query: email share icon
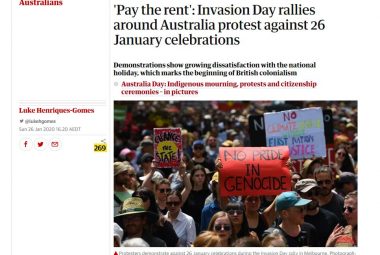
{"x":55,"y":144}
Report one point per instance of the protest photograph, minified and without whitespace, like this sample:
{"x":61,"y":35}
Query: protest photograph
{"x":235,"y":174}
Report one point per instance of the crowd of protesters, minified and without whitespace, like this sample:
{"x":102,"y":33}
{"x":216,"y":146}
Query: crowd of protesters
{"x":183,"y":207}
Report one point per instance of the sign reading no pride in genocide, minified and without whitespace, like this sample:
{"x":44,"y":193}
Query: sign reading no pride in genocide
{"x":167,"y":147}
{"x":301,"y":130}
{"x":254,"y":171}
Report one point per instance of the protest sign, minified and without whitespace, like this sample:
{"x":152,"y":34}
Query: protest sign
{"x":301,"y":130}
{"x":329,"y":126}
{"x":254,"y":171}
{"x":167,"y":147}
{"x":257,"y":130}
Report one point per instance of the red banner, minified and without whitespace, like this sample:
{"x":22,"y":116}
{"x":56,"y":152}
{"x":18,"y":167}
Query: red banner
{"x":254,"y":171}
{"x":167,"y":147}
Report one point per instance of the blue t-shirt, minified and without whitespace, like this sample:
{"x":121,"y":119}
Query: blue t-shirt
{"x":207,"y":212}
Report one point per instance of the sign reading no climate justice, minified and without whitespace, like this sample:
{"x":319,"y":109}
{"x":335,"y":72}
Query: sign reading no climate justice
{"x":254,"y":171}
{"x":167,"y":147}
{"x":301,"y":130}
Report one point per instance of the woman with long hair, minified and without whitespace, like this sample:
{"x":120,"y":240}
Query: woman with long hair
{"x":221,"y":223}
{"x":195,"y":201}
{"x":343,"y":161}
{"x":236,"y":212}
{"x":258,"y":221}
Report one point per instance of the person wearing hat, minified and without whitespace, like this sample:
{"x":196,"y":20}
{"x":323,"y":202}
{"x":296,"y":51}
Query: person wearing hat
{"x":128,"y":155}
{"x":133,"y":218}
{"x":200,"y":156}
{"x":323,"y":220}
{"x":146,"y":146}
{"x":145,"y":165}
{"x":218,"y":203}
{"x":309,"y":166}
{"x":159,"y":226}
{"x":121,"y":179}
{"x":351,"y":131}
{"x":291,"y":208}
{"x":346,"y":183}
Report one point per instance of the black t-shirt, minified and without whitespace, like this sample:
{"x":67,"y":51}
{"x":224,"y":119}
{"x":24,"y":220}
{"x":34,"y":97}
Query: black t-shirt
{"x":166,"y":233}
{"x":324,"y":222}
{"x":335,"y":206}
{"x":307,"y":237}
{"x":261,"y":227}
{"x":163,"y":211}
{"x":194,"y":205}
{"x":152,"y":240}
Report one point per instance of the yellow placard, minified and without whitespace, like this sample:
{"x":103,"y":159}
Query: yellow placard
{"x":100,"y":147}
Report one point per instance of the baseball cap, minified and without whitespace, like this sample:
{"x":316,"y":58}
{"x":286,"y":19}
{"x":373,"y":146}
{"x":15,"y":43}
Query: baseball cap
{"x":125,"y":152}
{"x":305,"y":185}
{"x":147,"y":157}
{"x":146,"y":142}
{"x":198,"y":142}
{"x":290,"y":199}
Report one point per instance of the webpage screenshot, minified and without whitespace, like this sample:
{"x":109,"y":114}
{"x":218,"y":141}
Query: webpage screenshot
{"x":196,"y":128}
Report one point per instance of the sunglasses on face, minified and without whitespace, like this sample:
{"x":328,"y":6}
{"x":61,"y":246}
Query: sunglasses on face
{"x":198,"y":148}
{"x":296,"y":179}
{"x":327,"y":182}
{"x":233,"y":212}
{"x":177,"y":203}
{"x":165,"y":190}
{"x":341,"y":154}
{"x":349,"y":209}
{"x":311,"y":193}
{"x":224,"y":227}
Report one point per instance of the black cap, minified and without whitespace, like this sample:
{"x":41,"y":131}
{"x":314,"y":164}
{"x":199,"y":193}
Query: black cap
{"x":147,"y":157}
